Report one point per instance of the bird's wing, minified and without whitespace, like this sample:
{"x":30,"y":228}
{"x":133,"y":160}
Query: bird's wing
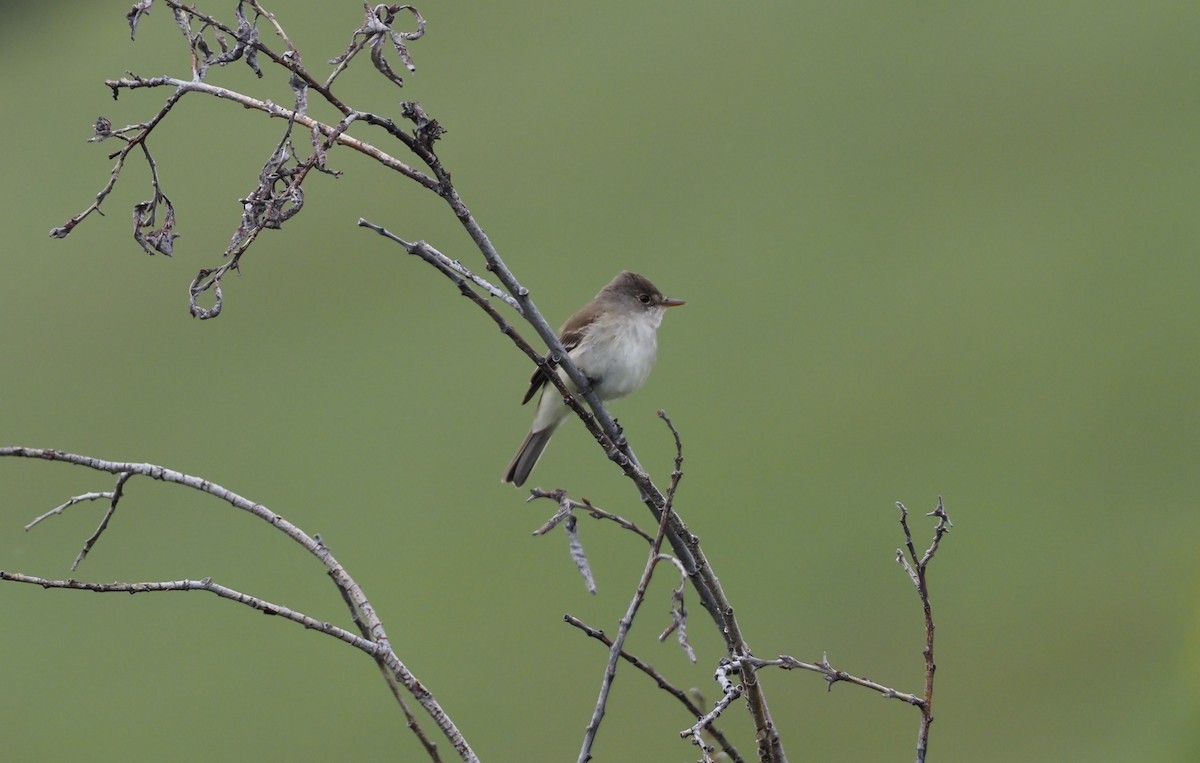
{"x":570,"y":335}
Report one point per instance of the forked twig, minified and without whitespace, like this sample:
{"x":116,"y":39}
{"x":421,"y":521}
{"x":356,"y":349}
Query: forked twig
{"x":916,"y":569}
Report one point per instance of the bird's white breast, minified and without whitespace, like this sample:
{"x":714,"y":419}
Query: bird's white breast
{"x":619,"y":355}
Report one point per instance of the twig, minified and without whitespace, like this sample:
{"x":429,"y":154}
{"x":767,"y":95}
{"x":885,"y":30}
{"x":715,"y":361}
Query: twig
{"x":102,"y":130}
{"x":833,"y":675}
{"x":67,"y":504}
{"x":274,"y":22}
{"x":447,"y":265}
{"x":204,"y":584}
{"x":117,"y":492}
{"x":916,"y":569}
{"x":731,"y":692}
{"x":560,"y":497}
{"x":676,"y":475}
{"x":182,"y":87}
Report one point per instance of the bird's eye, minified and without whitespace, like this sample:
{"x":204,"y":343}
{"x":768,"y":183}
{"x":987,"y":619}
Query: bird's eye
{"x":644,"y":299}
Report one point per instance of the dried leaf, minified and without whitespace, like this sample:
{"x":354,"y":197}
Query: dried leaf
{"x":381,"y":64}
{"x":184,"y":21}
{"x":134,"y":17}
{"x":578,"y":555}
{"x":161,"y":239}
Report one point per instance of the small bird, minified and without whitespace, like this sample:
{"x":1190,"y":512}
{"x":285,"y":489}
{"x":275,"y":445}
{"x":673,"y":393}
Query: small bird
{"x":613,"y":340}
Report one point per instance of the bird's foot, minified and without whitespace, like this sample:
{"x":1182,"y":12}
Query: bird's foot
{"x":621,"y":441}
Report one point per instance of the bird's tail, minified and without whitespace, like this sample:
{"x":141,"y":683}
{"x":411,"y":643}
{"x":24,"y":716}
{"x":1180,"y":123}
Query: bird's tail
{"x":527,"y":456}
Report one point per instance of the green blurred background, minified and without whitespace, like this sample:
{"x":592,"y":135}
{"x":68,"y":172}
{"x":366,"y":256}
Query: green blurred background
{"x":928,"y":249}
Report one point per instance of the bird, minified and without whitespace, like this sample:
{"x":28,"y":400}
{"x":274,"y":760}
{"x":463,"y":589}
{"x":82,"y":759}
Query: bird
{"x":613,"y":340}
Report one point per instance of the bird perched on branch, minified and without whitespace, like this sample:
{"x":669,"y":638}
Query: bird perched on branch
{"x":613,"y":340}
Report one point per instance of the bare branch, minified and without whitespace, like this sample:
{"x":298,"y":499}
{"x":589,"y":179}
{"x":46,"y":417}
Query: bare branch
{"x":360,"y":607}
{"x":275,"y":23}
{"x":117,"y":492}
{"x":833,"y":675}
{"x":560,"y":496}
{"x":103,"y":130}
{"x":205,"y":584}
{"x":443,"y":263}
{"x":678,"y":473}
{"x":916,"y":569}
{"x":68,"y":504}
{"x":731,"y":692}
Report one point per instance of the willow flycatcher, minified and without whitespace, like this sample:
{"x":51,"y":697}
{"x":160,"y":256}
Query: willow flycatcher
{"x":613,"y":340}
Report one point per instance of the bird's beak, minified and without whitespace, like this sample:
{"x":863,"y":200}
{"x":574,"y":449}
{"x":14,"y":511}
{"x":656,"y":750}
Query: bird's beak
{"x":669,"y":302}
